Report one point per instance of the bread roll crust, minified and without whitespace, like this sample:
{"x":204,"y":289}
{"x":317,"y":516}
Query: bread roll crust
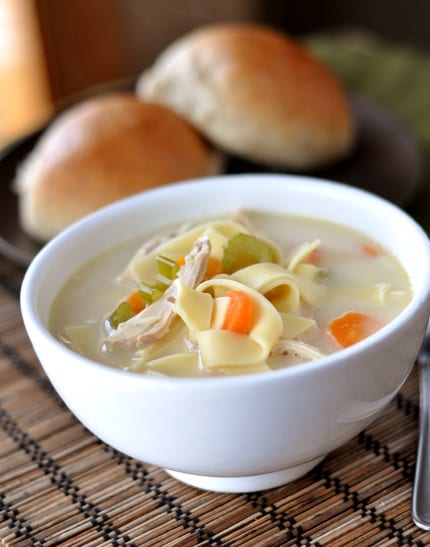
{"x":101,"y":150}
{"x":256,"y":93}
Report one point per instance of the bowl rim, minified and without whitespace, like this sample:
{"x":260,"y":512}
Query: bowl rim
{"x":34,"y":324}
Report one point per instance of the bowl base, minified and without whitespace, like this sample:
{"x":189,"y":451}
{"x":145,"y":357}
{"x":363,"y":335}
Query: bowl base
{"x":249,"y":483}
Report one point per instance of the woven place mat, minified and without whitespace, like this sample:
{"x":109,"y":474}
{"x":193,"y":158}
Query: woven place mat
{"x":60,"y":485}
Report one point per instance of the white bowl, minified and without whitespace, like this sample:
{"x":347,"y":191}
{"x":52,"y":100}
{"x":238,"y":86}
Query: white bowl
{"x":233,"y":434}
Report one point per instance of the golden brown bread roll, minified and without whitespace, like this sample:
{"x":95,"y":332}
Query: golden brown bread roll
{"x":254,"y":92}
{"x":101,"y":150}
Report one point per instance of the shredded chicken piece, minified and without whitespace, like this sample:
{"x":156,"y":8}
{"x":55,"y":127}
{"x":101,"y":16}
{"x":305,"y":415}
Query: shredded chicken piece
{"x":196,"y":263}
{"x":153,"y":322}
{"x":297,"y":348}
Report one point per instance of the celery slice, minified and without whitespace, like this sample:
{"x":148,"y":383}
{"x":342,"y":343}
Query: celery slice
{"x":121,"y":313}
{"x":166,"y":267}
{"x":244,"y":250}
{"x":150,"y":293}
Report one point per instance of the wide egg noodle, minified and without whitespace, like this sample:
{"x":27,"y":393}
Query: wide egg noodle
{"x":271,"y":280}
{"x":284,"y":289}
{"x":144,"y":268}
{"x":226,"y":348}
{"x":295,"y":326}
{"x":302,"y":253}
{"x":195,"y":308}
{"x":223,"y":348}
{"x":80,"y":337}
{"x":311,"y":292}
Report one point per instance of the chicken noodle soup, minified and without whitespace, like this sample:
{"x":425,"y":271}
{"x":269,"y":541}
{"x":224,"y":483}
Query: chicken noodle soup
{"x":245,"y":294}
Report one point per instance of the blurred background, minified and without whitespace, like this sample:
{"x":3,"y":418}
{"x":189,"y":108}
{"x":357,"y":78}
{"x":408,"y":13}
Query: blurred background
{"x":51,"y":51}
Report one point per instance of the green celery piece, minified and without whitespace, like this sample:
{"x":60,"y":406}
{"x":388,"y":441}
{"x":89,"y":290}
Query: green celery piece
{"x":167,"y":271}
{"x":121,"y":313}
{"x":150,"y":293}
{"x":243,"y":250}
{"x":162,"y":283}
{"x":166,"y":267}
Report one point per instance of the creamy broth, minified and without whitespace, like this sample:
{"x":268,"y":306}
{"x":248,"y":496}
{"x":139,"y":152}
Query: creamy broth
{"x":340,"y":271}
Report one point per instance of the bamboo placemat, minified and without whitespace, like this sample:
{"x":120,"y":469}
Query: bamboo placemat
{"x":59,"y":485}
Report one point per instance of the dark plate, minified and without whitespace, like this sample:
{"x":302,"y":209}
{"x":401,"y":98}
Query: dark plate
{"x":14,"y":243}
{"x":386,"y":161}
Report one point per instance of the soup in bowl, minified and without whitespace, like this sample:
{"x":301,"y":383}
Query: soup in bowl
{"x":232,"y":330}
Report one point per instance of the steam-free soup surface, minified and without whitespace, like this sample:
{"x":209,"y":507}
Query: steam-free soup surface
{"x":230,"y":296}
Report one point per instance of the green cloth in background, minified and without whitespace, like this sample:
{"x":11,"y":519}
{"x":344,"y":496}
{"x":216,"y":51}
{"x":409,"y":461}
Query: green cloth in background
{"x":397,"y":77}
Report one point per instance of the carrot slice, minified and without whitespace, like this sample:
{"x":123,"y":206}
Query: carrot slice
{"x":213,"y":268}
{"x":314,"y":257}
{"x":137,"y":303}
{"x":351,"y":327}
{"x":371,"y":250}
{"x":240,"y":314}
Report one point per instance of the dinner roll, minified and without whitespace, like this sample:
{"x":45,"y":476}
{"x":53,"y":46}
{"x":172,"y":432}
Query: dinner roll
{"x":254,"y":92}
{"x":103,"y":149}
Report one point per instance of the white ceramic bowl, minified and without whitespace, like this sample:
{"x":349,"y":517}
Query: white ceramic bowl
{"x":233,"y":434}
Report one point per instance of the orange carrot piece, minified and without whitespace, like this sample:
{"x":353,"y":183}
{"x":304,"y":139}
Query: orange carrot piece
{"x":371,"y":250}
{"x":351,"y":327}
{"x":314,"y":257}
{"x":240,"y":314}
{"x":213,"y":268}
{"x":137,"y":303}
{"x":180,"y":261}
